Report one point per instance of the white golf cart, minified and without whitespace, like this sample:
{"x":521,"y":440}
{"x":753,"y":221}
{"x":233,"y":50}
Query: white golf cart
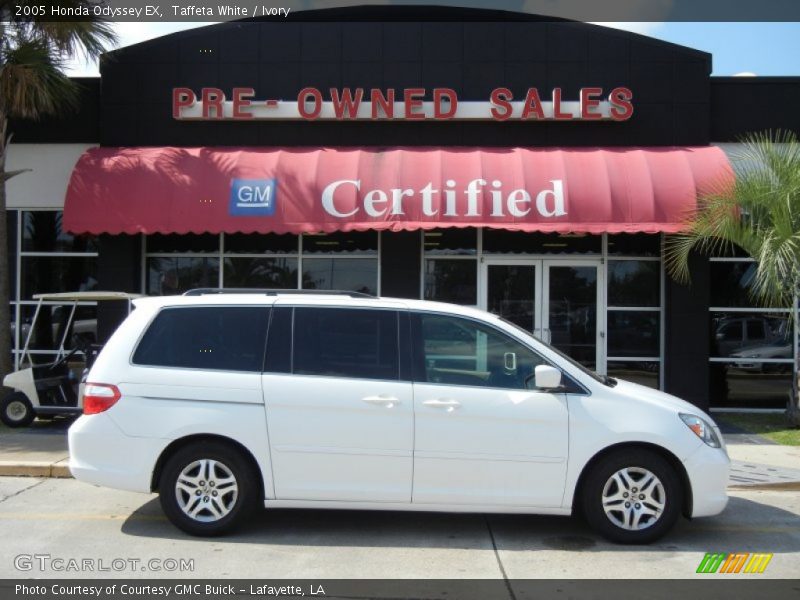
{"x":54,"y":388}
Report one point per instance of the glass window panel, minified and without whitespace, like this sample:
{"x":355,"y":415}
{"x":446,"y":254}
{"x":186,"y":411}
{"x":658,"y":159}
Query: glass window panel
{"x":641,"y":372}
{"x":225,"y":338}
{"x":359,"y":275}
{"x":464,"y":352}
{"x":49,"y":327}
{"x":634,"y":244}
{"x":41,"y":274}
{"x":353,"y":242}
{"x":499,"y":241}
{"x":336,"y":342}
{"x":730,"y":283}
{"x":633,"y":333}
{"x":11,"y":232}
{"x":751,"y":335}
{"x":41,"y":232}
{"x":277,"y":273}
{"x":261,"y":243}
{"x":751,"y":385}
{"x":175,"y":275}
{"x":12,"y":310}
{"x":174,"y":242}
{"x":634,"y":283}
{"x":453,"y":281}
{"x":451,"y":241}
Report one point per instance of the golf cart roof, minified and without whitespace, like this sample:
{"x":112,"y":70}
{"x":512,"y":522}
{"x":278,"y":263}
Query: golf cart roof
{"x":95,"y":296}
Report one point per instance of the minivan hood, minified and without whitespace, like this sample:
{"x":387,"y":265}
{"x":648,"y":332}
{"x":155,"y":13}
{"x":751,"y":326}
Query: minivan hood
{"x":643,"y":393}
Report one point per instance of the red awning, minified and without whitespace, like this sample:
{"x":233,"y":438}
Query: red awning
{"x":248,"y":190}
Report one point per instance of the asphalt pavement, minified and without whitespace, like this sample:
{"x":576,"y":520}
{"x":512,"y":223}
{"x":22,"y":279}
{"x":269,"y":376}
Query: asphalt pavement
{"x":66,"y":519}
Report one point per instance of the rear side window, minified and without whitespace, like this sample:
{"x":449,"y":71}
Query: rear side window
{"x":345,"y":343}
{"x":208,"y":337}
{"x":755,"y":330}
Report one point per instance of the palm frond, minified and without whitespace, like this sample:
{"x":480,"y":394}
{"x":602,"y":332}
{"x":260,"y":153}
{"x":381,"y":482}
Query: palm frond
{"x":32,"y":83}
{"x":760,"y":214}
{"x":87,"y":38}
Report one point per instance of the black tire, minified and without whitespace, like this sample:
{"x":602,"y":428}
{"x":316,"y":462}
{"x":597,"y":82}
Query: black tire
{"x":16,"y":410}
{"x":652,"y":527}
{"x":234,"y":509}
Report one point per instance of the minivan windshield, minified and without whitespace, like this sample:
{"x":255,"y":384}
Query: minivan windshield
{"x":604,"y":379}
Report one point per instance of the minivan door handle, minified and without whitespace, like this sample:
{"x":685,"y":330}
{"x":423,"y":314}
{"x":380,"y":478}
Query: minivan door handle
{"x":447,"y":403}
{"x":387,"y":401}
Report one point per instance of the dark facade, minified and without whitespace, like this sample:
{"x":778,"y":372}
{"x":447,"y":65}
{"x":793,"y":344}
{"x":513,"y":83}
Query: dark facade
{"x":677,"y":103}
{"x":404,"y":48}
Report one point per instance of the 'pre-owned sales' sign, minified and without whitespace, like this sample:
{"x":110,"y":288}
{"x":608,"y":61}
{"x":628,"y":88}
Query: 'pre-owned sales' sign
{"x":409,"y":104}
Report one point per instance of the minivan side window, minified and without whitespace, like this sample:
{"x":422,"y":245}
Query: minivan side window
{"x":340,"y":342}
{"x":459,"y":351}
{"x":229,"y":338}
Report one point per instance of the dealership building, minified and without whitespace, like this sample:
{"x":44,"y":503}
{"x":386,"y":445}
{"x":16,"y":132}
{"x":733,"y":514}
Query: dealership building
{"x":529,"y":167}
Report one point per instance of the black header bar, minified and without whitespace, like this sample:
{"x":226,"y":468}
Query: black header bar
{"x":228,"y":10}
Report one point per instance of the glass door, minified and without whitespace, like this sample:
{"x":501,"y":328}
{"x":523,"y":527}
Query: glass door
{"x":512,"y":291}
{"x":559,"y":301}
{"x":571,"y":315}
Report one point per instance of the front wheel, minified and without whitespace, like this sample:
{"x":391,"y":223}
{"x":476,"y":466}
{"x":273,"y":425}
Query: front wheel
{"x":16,"y":410}
{"x":632,"y":497}
{"x":208,"y":489}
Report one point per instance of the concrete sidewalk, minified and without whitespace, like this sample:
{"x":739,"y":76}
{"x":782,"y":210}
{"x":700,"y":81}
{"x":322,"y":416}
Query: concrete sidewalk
{"x":41,"y":451}
{"x":36,"y":451}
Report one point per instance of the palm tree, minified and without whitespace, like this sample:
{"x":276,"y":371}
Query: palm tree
{"x":32,"y":85}
{"x":759,"y":213}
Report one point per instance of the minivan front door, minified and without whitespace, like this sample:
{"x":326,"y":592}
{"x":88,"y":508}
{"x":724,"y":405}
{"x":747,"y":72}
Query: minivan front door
{"x":339,"y":416}
{"x":482,"y":437}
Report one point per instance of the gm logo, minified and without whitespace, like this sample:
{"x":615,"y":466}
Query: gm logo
{"x":252,"y":197}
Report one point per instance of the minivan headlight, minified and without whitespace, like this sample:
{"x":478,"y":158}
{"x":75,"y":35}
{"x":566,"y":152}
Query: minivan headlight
{"x":702,"y":429}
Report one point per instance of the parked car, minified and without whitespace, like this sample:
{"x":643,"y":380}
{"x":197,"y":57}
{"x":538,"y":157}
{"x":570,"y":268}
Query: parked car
{"x":224,"y":402}
{"x":779,"y":349}
{"x":736,"y":334}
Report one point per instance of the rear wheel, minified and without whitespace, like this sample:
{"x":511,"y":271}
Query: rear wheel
{"x":16,"y":410}
{"x":632,"y":497}
{"x":208,"y":489}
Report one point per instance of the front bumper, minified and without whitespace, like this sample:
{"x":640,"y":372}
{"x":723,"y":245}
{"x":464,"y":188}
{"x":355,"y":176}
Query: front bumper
{"x":99,"y":453}
{"x":708,"y":470}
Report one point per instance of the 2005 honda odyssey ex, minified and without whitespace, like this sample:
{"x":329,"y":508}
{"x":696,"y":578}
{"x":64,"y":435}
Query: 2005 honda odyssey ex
{"x":224,"y":402}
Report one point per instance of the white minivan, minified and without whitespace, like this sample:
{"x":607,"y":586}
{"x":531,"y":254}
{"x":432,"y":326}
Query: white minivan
{"x":224,"y":402}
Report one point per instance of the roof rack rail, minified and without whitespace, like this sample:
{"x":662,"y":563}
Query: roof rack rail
{"x":275,"y":292}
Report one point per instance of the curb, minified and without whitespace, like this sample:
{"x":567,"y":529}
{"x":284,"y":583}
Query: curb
{"x":782,"y":486}
{"x":59,"y":470}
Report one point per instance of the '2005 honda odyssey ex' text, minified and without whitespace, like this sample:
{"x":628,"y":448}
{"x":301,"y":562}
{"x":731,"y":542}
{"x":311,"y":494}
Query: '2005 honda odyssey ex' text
{"x":224,"y":402}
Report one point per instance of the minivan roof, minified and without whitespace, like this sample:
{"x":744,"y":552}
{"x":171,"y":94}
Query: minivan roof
{"x":308,"y":298}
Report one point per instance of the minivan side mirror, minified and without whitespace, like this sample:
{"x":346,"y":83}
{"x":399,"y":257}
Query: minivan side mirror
{"x":547,"y":377}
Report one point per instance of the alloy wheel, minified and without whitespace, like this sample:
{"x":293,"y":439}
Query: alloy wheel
{"x":633,"y":498}
{"x":206,"y":490}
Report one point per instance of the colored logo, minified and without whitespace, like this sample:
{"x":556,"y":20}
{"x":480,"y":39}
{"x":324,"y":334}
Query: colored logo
{"x":735,"y":562}
{"x":252,"y":197}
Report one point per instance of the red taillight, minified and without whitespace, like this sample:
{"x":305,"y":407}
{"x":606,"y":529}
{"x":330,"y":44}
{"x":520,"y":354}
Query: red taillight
{"x":98,"y":397}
